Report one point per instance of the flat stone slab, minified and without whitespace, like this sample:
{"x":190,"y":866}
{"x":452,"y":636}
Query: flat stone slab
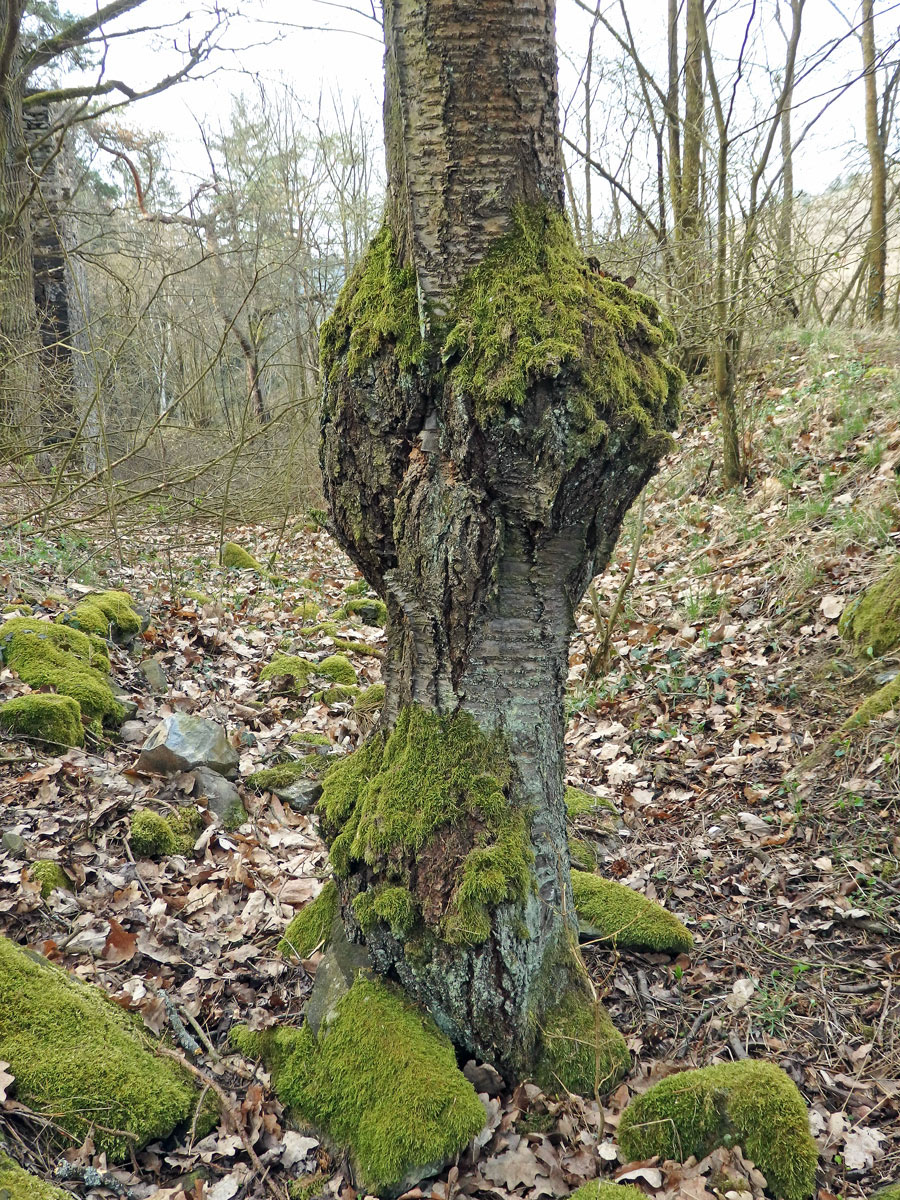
{"x":181,"y":742}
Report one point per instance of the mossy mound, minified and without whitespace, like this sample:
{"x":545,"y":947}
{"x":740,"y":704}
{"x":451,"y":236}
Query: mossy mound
{"x":370,"y":612}
{"x":307,"y":611}
{"x":81,"y":1059}
{"x":891,"y":1192}
{"x":330,"y":628}
{"x":20,"y":1185}
{"x":340,"y":693}
{"x":872,"y":621}
{"x":401,"y":790}
{"x":236,"y":558}
{"x":359,"y":587}
{"x":599,"y":1190}
{"x":310,"y":738}
{"x":582,"y":1051}
{"x":309,"y":929}
{"x":69,"y":661}
{"x":106,"y":614}
{"x":753,"y":1104}
{"x":336,"y":667}
{"x":533,"y":310}
{"x":155,"y":836}
{"x":370,"y":699}
{"x":381,"y":1082}
{"x":50,"y":876}
{"x":582,"y":854}
{"x":610,"y":912}
{"x":876,"y":705}
{"x":579,"y":803}
{"x":311,"y":766}
{"x":51,"y":720}
{"x":200,"y":598}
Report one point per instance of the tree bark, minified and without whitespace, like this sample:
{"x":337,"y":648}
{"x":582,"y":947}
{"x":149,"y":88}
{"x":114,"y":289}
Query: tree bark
{"x":479,"y":521}
{"x":876,"y":248}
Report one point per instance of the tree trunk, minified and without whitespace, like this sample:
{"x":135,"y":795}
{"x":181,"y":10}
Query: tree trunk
{"x":485,"y":429}
{"x":18,"y":343}
{"x":876,"y":248}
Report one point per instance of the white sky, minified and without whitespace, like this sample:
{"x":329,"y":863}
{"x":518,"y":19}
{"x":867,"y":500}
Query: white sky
{"x":321,"y":65}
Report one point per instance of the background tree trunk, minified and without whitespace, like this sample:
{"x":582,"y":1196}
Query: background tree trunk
{"x":481,"y":526}
{"x":876,"y":248}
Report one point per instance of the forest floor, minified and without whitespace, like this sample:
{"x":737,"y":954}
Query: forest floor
{"x":727,"y":673}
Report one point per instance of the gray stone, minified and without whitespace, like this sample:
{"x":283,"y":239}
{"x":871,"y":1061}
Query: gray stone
{"x":133,"y":731}
{"x":483,"y":1077}
{"x":222,"y":797}
{"x":14,"y":843}
{"x":181,"y":742}
{"x":335,"y":975}
{"x":301,"y":795}
{"x":125,"y":699}
{"x":155,"y":676}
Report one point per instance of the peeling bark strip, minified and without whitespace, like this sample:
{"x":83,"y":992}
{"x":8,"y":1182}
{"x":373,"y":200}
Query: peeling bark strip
{"x":471,"y":128}
{"x":491,"y":408}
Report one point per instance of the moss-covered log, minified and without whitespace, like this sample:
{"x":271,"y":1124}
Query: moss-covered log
{"x":491,"y":408}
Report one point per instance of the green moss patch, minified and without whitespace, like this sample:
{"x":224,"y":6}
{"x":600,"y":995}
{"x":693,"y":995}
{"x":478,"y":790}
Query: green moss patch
{"x":69,"y":661}
{"x":106,"y":614}
{"x":598,"y":1190}
{"x":400,"y":791}
{"x":311,"y":766}
{"x":359,"y":587}
{"x":338,"y":668}
{"x":307,"y":611}
{"x":381,"y":1082}
{"x":237,"y":558}
{"x":533,"y":310}
{"x":582,"y":854}
{"x":610,"y":912}
{"x":330,"y":628}
{"x":582,"y":1051}
{"x":370,"y":699}
{"x":309,"y":929}
{"x":579,"y":803}
{"x":20,"y":1185}
{"x":753,"y":1104}
{"x":82,"y":1060}
{"x":288,"y":666}
{"x":310,"y":738}
{"x":155,"y":836}
{"x":50,"y":876}
{"x":872,"y":621}
{"x":377,"y":309}
{"x":340,"y":693}
{"x":51,"y":720}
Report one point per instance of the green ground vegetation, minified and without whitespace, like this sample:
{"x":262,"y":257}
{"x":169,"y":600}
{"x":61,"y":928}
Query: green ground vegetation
{"x":382,"y":1082}
{"x":582,"y":1051}
{"x":611,"y":912}
{"x":155,"y":836}
{"x":80,"y":1058}
{"x":753,"y":1104}
{"x":50,"y":720}
{"x":872,"y":621}
{"x":387,"y":801}
{"x":311,"y":766}
{"x":579,"y":803}
{"x":597,"y":1189}
{"x":310,"y":927}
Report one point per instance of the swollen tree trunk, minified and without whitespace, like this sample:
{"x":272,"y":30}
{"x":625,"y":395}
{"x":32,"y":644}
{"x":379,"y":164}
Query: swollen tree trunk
{"x":491,"y":409}
{"x":876,"y":247}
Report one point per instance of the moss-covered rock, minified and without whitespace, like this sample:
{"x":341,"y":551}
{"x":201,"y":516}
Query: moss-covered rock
{"x":155,"y":836}
{"x":338,"y":668}
{"x":273,"y":779}
{"x":339,"y":693}
{"x":580,"y":804}
{"x":18,"y":1184}
{"x":382,"y":1082}
{"x":50,"y":720}
{"x":237,"y":558}
{"x":288,"y":666}
{"x":597,"y":1189}
{"x":582,"y":854}
{"x":80,"y":1058}
{"x":70,"y":661}
{"x":309,"y":929}
{"x":582,"y":1051}
{"x":401,"y":790}
{"x":872,"y":621}
{"x":876,"y":705}
{"x":370,"y":612}
{"x":107,"y":615}
{"x":50,"y":876}
{"x":610,"y":912}
{"x":359,"y":587}
{"x":753,"y":1104}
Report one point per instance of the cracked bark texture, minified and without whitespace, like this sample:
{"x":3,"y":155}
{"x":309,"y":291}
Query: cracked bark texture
{"x":481,"y":535}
